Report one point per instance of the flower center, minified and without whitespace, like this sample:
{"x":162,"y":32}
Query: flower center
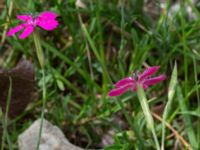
{"x":32,"y":21}
{"x":135,"y":75}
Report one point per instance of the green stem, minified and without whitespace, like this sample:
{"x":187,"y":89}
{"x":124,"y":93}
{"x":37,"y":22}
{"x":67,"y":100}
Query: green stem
{"x":198,"y":99}
{"x":41,"y":61}
{"x":43,"y":107}
{"x":38,"y":49}
{"x":5,"y":119}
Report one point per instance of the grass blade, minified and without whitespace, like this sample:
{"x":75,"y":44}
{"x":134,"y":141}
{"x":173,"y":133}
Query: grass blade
{"x":5,"y":119}
{"x":171,"y":92}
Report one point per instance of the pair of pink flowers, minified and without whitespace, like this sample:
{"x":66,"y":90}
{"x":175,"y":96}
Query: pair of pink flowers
{"x":46,"y":20}
{"x":144,"y":79}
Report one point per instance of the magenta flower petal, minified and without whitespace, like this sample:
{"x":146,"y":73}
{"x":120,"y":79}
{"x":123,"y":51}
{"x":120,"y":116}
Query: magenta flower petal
{"x":120,"y":90}
{"x":148,"y":72}
{"x":24,"y":17}
{"x":124,"y":81}
{"x":154,"y":80}
{"x":27,"y":31}
{"x":134,"y":88}
{"x":14,"y":30}
{"x":47,"y":24}
{"x":144,"y":86}
{"x":48,"y":15}
{"x":46,"y":20}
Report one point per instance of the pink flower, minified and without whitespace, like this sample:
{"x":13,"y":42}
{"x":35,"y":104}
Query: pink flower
{"x":46,"y":20}
{"x":144,"y":79}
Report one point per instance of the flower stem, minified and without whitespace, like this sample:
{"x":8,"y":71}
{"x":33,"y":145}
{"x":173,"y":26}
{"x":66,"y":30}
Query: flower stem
{"x":147,"y":113}
{"x":41,"y":61}
{"x":38,"y":49}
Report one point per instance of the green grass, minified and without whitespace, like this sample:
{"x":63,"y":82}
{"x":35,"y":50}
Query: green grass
{"x":95,"y":47}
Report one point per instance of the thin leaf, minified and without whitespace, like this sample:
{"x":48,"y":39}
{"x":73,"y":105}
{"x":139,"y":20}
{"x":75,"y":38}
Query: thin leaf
{"x":147,"y":113}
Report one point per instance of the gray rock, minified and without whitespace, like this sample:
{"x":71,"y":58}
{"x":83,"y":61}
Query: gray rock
{"x":52,"y":138}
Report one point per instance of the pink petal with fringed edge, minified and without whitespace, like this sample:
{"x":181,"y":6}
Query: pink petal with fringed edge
{"x":124,"y":81}
{"x":154,"y":80}
{"x":24,"y":17}
{"x":27,"y":31}
{"x":144,"y":86}
{"x":14,"y":30}
{"x":120,"y":90}
{"x":48,"y":15}
{"x":47,"y":24}
{"x":148,"y":72}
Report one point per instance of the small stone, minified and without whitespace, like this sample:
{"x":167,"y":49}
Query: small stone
{"x":52,"y":138}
